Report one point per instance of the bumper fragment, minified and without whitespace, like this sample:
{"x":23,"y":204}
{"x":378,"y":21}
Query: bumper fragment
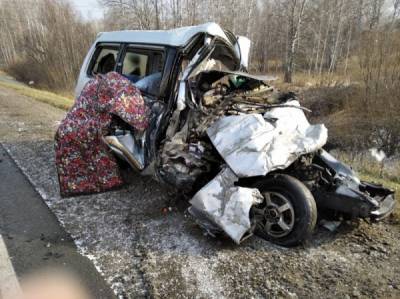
{"x":386,"y":207}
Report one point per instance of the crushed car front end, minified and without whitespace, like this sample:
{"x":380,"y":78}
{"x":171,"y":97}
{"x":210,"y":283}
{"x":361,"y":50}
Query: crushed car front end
{"x":274,"y":176}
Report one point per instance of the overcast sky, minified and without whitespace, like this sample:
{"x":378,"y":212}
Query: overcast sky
{"x":90,"y":9}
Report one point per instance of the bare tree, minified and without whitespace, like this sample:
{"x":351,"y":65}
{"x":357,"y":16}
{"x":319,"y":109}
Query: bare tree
{"x":295,"y":11}
{"x":48,"y":37}
{"x":317,"y":37}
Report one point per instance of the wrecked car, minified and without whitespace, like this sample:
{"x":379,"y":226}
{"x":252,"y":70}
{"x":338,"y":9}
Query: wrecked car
{"x":242,"y":151}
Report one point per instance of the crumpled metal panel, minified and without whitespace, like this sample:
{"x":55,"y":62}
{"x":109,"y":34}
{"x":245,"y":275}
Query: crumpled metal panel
{"x":226,"y":205}
{"x":254,"y":145}
{"x":343,"y":172}
{"x":242,"y":49}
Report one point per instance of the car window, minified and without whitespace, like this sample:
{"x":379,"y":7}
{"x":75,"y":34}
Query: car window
{"x":144,"y":68}
{"x":104,"y":60}
{"x":135,"y":64}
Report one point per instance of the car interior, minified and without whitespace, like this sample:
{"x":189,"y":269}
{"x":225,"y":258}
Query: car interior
{"x":141,"y":66}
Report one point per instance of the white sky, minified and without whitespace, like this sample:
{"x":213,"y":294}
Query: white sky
{"x":90,"y":9}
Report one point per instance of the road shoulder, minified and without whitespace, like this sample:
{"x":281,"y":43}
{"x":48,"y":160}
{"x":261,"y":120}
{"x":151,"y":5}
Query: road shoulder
{"x":33,"y":236}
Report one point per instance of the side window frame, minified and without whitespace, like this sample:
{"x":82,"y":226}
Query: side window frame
{"x":99,"y":47}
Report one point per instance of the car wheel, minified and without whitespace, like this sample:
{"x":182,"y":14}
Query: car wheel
{"x":288,"y":214}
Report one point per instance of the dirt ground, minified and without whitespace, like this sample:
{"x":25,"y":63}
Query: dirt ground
{"x":142,"y":251}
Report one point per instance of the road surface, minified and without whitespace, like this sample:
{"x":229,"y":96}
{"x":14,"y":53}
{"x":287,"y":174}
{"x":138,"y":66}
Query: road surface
{"x":33,"y":236}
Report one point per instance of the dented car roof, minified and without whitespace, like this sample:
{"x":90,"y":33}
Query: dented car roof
{"x":173,"y":37}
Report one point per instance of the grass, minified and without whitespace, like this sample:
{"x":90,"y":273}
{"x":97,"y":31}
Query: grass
{"x":385,"y":182}
{"x":47,"y":97}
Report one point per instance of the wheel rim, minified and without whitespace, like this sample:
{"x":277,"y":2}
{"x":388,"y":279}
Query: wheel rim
{"x":275,"y":216}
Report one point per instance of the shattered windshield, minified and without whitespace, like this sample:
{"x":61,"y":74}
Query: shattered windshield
{"x":219,"y":59}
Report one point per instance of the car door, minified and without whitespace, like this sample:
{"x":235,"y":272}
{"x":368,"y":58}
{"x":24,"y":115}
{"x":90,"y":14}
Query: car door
{"x":143,"y":65}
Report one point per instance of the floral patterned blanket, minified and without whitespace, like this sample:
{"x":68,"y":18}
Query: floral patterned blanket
{"x":84,"y":163}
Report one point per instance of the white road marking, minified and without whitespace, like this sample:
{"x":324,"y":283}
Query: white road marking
{"x":9,"y":286}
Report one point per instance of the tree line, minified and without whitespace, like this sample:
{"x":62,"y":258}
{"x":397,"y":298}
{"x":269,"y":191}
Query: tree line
{"x":316,"y":36}
{"x":43,"y":41}
{"x":289,"y":36}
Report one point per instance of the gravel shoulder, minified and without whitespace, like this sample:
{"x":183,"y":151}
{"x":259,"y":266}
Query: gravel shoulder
{"x":144,"y":252}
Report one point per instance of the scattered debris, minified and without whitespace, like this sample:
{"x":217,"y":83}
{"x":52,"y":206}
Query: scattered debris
{"x":379,"y":155}
{"x":330,"y":225}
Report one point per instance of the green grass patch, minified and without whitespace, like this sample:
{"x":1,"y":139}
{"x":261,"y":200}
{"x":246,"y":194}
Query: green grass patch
{"x":41,"y":95}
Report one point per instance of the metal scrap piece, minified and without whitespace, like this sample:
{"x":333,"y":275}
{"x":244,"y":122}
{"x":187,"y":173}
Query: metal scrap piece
{"x":226,"y":205}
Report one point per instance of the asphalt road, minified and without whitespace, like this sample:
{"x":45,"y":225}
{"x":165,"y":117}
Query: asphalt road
{"x":141,"y":251}
{"x":33,"y":236}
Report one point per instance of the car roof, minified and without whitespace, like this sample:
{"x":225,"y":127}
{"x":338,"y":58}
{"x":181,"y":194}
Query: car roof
{"x":173,"y":37}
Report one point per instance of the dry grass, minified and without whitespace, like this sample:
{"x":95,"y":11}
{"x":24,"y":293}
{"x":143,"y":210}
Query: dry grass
{"x":47,"y":97}
{"x":365,"y":164}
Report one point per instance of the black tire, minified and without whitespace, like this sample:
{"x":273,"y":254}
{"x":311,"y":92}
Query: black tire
{"x":303,"y":210}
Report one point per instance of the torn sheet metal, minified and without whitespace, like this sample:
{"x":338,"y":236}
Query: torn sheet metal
{"x":200,"y":57}
{"x":225,"y":205}
{"x":242,"y":49}
{"x":253,"y":145}
{"x":343,"y":172}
